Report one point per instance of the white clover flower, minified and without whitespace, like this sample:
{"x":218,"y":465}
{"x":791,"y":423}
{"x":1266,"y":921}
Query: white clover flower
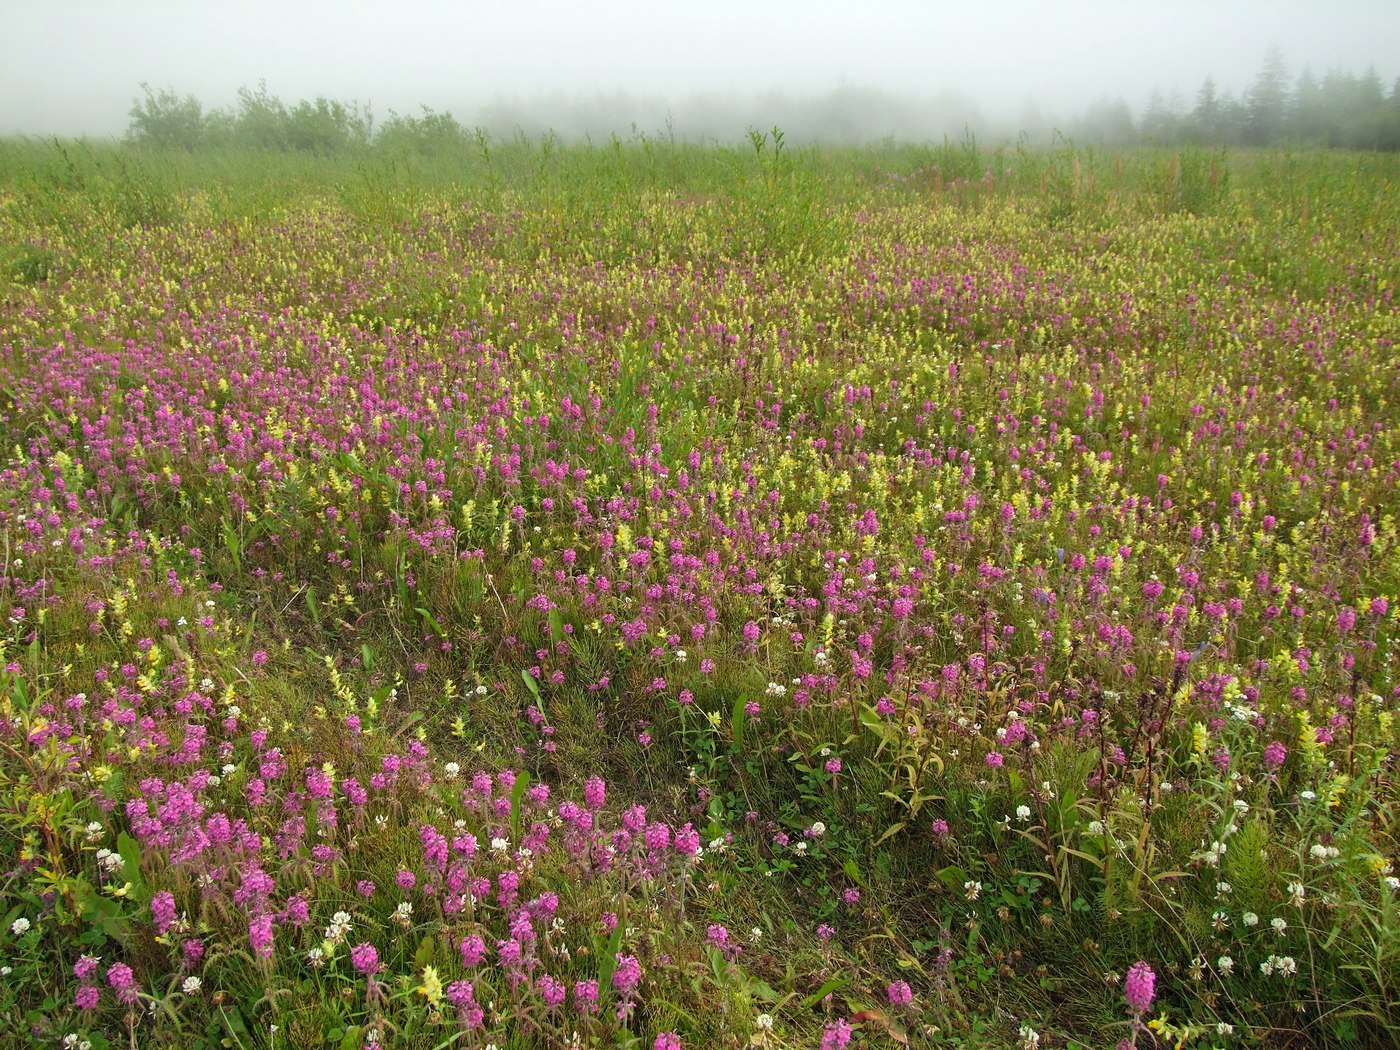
{"x":755,"y":935}
{"x":1392,"y":883}
{"x":1307,"y":796}
{"x":451,"y":769}
{"x":764,"y":1022}
{"x":339,"y":927}
{"x":94,"y":831}
{"x":1223,"y":888}
{"x":1030,"y":1038}
{"x":1297,"y":892}
{"x":500,"y":845}
{"x":1249,"y":919}
{"x":481,"y":690}
{"x":1095,"y":827}
{"x":1224,"y":1028}
{"x":973,"y":889}
{"x":681,"y":656}
{"x":1280,"y":927}
{"x":817,"y":830}
{"x":19,"y":927}
{"x":1285,"y":965}
{"x":1023,"y":813}
{"x":191,"y":985}
{"x":1225,"y":965}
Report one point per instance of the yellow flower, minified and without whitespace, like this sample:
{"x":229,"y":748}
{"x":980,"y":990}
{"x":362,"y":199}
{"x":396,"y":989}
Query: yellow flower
{"x":431,"y":988}
{"x":1200,"y":738}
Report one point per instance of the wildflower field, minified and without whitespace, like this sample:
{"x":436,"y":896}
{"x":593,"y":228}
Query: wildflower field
{"x":650,"y":595}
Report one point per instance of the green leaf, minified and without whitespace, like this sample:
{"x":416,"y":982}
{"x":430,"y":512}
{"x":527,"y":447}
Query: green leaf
{"x":534,"y":687}
{"x":736,"y":720}
{"x":130,"y":851}
{"x":522,"y":784}
{"x":312,"y":606}
{"x":763,"y":992}
{"x":953,"y":877}
{"x":352,"y":1038}
{"x":607,"y":965}
{"x":431,"y":622}
{"x":556,"y":626}
{"x":892,"y":830}
{"x":821,"y":993}
{"x":427,"y":949}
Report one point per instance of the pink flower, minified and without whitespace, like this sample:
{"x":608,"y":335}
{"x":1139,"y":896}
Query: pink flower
{"x":995,"y":759}
{"x":85,"y":967}
{"x":628,"y":974}
{"x":119,"y":976}
{"x":667,"y":1041}
{"x":1139,"y":987}
{"x":163,"y":910}
{"x":594,"y":792}
{"x":836,"y":1035}
{"x":365,"y":958}
{"x":900,"y":993}
{"x":260,"y":936}
{"x":586,"y":996}
{"x":473,"y":950}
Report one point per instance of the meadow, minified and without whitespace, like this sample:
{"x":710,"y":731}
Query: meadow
{"x":654,"y":595}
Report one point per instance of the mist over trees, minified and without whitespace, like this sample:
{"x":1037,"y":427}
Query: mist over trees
{"x":1340,"y":109}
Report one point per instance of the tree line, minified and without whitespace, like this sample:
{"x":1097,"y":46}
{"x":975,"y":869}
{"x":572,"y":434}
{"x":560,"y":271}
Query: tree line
{"x":1340,"y":110}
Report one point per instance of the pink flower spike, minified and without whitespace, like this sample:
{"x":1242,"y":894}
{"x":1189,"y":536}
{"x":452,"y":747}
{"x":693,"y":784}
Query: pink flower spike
{"x":1139,"y":987}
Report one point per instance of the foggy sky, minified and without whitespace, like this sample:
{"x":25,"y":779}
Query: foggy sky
{"x":72,"y":67}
